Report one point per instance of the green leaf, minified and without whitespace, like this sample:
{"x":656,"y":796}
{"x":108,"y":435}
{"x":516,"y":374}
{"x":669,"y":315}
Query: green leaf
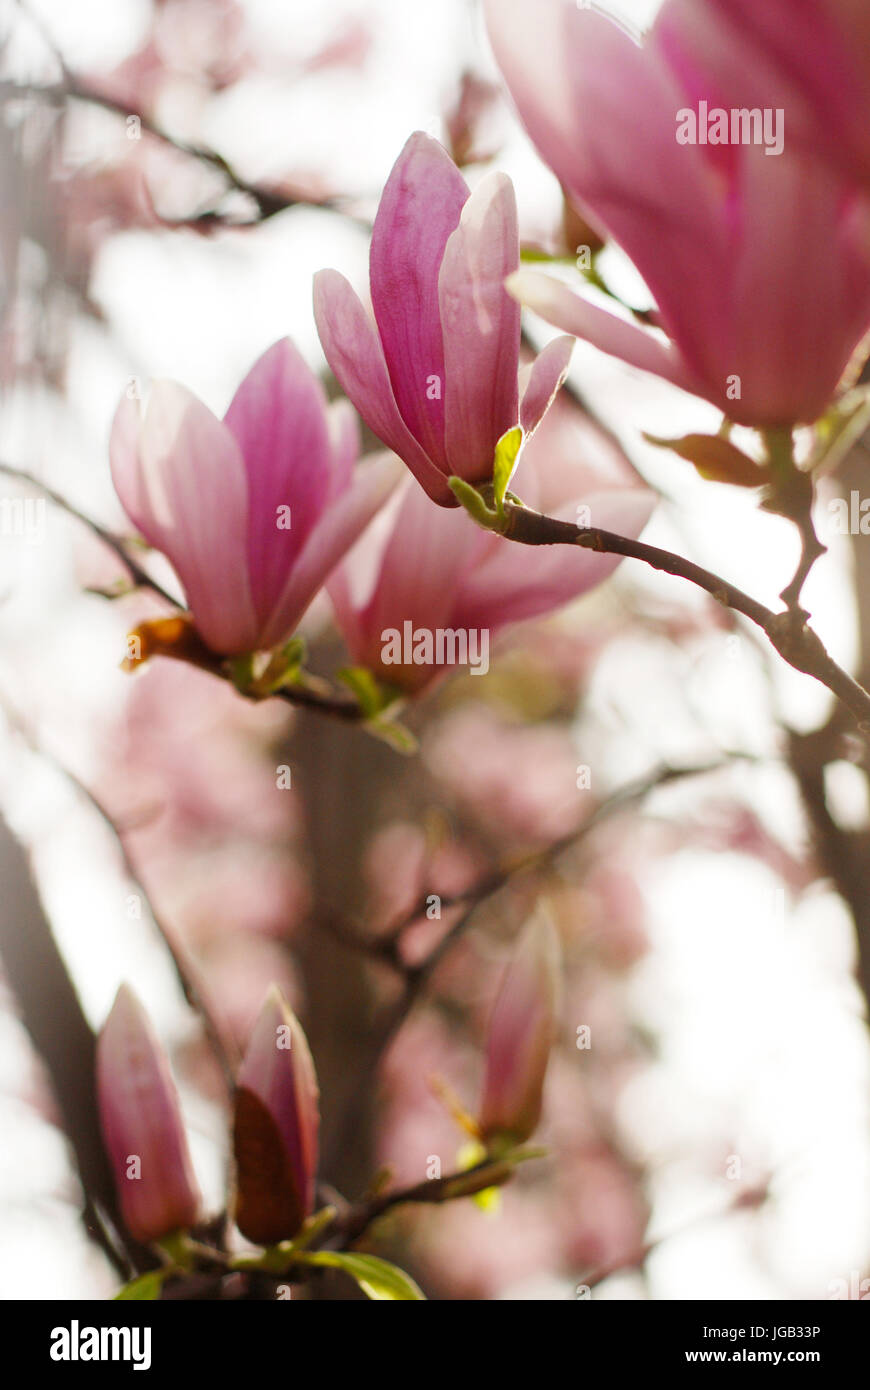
{"x":506,"y":451}
{"x":377,"y":1278}
{"x":285,"y":667}
{"x":144,"y":1289}
{"x":373,"y":696}
{"x":716,"y":459}
{"x":390,"y":731}
{"x":242,"y":671}
{"x":536,"y":255}
{"x":469,"y":498}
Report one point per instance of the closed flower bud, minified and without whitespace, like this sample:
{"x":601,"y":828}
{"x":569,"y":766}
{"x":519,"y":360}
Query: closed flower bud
{"x":275,"y":1127}
{"x":521,"y":1032}
{"x":142,"y":1125}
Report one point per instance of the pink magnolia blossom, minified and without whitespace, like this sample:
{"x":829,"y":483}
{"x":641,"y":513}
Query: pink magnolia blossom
{"x":142,"y":1126}
{"x":759,"y":265}
{"x":435,"y":569}
{"x":809,"y":57}
{"x":276,"y":1125}
{"x":521,"y":1034}
{"x":253,"y":511}
{"x":435,"y":375}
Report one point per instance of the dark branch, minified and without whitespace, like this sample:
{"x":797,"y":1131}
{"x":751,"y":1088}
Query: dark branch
{"x":788,"y":632}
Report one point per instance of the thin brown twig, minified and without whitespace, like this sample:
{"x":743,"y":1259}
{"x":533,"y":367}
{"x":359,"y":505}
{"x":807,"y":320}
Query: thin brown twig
{"x":744,"y":1201}
{"x":268,"y":201}
{"x":352,"y":1225}
{"x":788,"y":631}
{"x":336,"y":706}
{"x":416,"y":977}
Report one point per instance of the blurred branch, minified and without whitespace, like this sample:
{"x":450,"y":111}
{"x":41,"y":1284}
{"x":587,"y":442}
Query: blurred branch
{"x":117,"y":544}
{"x":843,"y":853}
{"x":353,"y":1224}
{"x":749,"y":1200}
{"x":268,"y":201}
{"x":192,"y":988}
{"x":336,"y":706}
{"x":788,"y":632}
{"x":387,"y":947}
{"x":61,"y":1035}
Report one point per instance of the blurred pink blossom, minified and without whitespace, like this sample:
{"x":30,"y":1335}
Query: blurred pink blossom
{"x":718,"y":231}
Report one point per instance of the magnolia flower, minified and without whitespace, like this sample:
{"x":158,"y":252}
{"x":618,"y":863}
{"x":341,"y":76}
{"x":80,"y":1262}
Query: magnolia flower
{"x":809,"y":57}
{"x":421,"y":570}
{"x":521,"y":1033}
{"x":142,"y":1126}
{"x":435,"y":375}
{"x":255,"y":510}
{"x":759,"y":264}
{"x":275,"y":1127}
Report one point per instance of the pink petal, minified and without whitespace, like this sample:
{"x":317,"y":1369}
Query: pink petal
{"x":510,"y":589}
{"x":140,"y":1117}
{"x":419,"y":208}
{"x":543,"y":379}
{"x":185,"y":488}
{"x":481,"y":326}
{"x":791,"y":348}
{"x":521,"y":1033}
{"x":528,"y":40}
{"x":601,"y":111}
{"x":344,"y":438}
{"x":278,"y":418}
{"x":279,"y":1070}
{"x":809,"y":59}
{"x":355,"y":355}
{"x":426,"y":556}
{"x":331,"y":538}
{"x":560,"y":306}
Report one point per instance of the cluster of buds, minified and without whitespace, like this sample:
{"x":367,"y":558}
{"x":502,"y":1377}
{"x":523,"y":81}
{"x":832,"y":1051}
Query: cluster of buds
{"x":276,"y":1113}
{"x":275,"y":1127}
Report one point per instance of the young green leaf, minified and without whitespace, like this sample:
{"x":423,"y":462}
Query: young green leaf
{"x":377,"y":1278}
{"x":144,"y":1289}
{"x":469,"y":498}
{"x":506,"y":451}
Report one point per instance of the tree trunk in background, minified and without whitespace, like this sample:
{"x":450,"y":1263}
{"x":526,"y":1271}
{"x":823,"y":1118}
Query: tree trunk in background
{"x":50,"y":1010}
{"x":343,"y":776}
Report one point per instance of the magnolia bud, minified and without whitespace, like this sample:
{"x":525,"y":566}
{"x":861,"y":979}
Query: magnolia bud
{"x":521,"y":1032}
{"x":142,"y":1125}
{"x":275,"y":1127}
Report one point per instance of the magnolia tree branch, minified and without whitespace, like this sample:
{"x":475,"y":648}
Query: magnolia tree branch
{"x":752,"y":1199}
{"x":268,"y":201}
{"x":386,"y":947}
{"x":191,"y":986}
{"x":117,"y":544}
{"x":788,"y":632}
{"x":353,"y":1224}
